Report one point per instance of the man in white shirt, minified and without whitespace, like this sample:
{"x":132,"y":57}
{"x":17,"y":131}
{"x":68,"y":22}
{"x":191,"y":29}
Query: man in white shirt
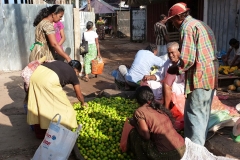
{"x":143,"y":62}
{"x":232,"y":60}
{"x":162,"y":83}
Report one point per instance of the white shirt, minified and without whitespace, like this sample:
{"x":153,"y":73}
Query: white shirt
{"x":142,"y":64}
{"x":90,"y":36}
{"x":237,"y":51}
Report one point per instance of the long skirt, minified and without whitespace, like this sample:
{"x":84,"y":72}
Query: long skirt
{"x":91,"y":55}
{"x":46,"y":98}
{"x":101,"y":32}
{"x":146,"y":150}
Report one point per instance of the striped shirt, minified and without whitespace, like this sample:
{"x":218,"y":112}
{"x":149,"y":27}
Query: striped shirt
{"x":198,"y":52}
{"x":160,"y":31}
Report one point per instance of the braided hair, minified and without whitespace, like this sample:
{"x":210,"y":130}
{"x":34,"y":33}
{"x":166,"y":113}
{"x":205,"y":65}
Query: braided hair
{"x":145,"y":95}
{"x":45,"y":12}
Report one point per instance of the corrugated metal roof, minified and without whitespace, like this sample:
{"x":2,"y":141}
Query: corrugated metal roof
{"x":100,"y":7}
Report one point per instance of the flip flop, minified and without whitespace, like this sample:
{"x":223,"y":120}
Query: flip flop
{"x":85,"y":79}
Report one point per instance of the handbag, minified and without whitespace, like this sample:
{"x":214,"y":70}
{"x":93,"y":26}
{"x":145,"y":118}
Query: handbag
{"x":57,"y":143}
{"x":83,"y":46}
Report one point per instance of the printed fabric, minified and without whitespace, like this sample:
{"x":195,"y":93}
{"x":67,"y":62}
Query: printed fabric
{"x":58,"y":27}
{"x":43,"y":29}
{"x":198,"y":53}
{"x":160,"y":31}
{"x":91,"y":55}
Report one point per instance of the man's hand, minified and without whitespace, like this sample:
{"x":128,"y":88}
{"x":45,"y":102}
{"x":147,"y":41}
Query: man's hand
{"x":146,"y":78}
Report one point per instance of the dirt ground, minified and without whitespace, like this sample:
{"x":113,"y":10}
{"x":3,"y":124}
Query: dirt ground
{"x":17,"y":140}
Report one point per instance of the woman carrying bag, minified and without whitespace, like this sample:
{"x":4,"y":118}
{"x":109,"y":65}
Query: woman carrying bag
{"x":93,"y":49}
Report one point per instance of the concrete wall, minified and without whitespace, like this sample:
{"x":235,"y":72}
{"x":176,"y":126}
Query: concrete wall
{"x":17,"y":34}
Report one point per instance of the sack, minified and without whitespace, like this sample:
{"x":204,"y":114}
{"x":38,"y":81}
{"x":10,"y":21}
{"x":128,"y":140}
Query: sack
{"x":97,"y":66}
{"x":83,"y":46}
{"x":126,"y":130}
{"x":58,"y":142}
{"x":198,"y":152}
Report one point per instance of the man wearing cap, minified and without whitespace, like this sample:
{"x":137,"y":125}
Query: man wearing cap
{"x":228,"y":59}
{"x":198,"y":49}
{"x":160,"y":31}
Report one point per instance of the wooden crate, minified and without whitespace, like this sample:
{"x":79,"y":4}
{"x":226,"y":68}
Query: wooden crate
{"x":225,"y":80}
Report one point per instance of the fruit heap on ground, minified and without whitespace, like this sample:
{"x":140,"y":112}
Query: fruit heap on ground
{"x":103,"y":122}
{"x":235,"y":86}
{"x":227,"y":69}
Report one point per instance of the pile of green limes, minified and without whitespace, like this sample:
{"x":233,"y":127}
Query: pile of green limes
{"x":103,"y":122}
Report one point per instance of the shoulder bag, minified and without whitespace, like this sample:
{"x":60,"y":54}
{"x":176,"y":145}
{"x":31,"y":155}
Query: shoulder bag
{"x":83,"y":46}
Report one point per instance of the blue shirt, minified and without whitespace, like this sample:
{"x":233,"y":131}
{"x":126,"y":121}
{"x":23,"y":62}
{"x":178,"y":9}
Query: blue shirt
{"x":142,"y":64}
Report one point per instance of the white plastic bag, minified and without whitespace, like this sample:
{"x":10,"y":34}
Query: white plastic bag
{"x":197,"y":152}
{"x":58,"y":142}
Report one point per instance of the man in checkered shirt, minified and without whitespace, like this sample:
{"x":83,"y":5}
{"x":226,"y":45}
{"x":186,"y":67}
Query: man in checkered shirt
{"x":198,"y":52}
{"x":161,"y":34}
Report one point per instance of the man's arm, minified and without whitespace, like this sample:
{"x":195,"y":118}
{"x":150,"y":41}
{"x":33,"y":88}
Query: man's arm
{"x":165,"y":34}
{"x":166,"y":38}
{"x":158,"y":61}
{"x":188,"y":51}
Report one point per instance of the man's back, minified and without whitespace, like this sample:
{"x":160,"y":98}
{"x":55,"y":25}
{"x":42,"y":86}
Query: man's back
{"x":160,"y":31}
{"x":142,"y":64}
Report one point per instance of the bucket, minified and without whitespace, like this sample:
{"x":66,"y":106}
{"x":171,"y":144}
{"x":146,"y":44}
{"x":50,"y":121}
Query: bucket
{"x":97,"y":66}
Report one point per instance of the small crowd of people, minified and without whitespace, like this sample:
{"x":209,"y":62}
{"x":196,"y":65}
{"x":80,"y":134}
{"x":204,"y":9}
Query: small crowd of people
{"x":157,"y":72}
{"x":165,"y":69}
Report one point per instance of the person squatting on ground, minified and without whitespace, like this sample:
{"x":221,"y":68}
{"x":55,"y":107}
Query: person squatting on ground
{"x":164,"y":84}
{"x":161,"y":34}
{"x":45,"y":39}
{"x":93,"y":49}
{"x":46,"y":96}
{"x":153,"y":136}
{"x":198,"y":51}
{"x":143,"y":62}
{"x":60,"y":37}
{"x":229,"y":59}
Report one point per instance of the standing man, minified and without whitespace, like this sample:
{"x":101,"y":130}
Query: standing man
{"x":198,"y":50}
{"x":160,"y":31}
